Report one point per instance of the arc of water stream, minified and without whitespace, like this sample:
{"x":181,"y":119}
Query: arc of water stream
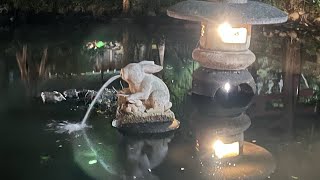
{"x":84,"y":120}
{"x":72,"y":127}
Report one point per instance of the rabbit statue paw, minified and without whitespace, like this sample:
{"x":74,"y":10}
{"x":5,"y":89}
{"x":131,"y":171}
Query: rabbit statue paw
{"x":135,"y":107}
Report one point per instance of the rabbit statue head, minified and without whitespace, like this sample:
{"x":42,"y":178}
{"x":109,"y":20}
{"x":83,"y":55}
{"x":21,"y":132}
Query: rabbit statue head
{"x":134,"y":73}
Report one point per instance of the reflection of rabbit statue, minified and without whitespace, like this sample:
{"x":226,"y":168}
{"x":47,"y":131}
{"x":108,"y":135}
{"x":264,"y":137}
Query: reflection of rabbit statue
{"x":144,"y":154}
{"x":145,"y":87}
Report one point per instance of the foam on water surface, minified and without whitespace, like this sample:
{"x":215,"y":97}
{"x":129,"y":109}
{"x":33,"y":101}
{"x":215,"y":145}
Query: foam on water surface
{"x":66,"y":127}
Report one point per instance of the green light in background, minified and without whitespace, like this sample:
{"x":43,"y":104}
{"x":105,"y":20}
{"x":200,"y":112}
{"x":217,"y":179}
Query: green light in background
{"x":92,"y":162}
{"x":100,"y":44}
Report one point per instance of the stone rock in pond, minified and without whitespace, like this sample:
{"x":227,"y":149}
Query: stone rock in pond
{"x":52,"y":97}
{"x":108,"y":95}
{"x":71,"y":93}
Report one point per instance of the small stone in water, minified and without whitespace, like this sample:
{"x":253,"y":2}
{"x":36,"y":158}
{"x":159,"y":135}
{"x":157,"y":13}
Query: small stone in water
{"x":294,"y":177}
{"x":60,"y":146}
{"x":182,"y":169}
{"x":149,"y":170}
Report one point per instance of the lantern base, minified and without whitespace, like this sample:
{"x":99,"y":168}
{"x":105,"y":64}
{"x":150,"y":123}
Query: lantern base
{"x":207,"y":82}
{"x":254,"y":163}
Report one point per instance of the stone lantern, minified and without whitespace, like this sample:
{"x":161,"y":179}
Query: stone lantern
{"x":224,"y":39}
{"x":222,"y":86}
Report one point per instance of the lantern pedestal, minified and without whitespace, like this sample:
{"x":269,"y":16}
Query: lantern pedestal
{"x":207,"y":82}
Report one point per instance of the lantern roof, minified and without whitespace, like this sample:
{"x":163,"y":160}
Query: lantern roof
{"x":231,"y":11}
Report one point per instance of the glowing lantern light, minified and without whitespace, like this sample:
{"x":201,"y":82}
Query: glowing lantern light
{"x":228,"y":34}
{"x":227,"y":87}
{"x":222,"y":150}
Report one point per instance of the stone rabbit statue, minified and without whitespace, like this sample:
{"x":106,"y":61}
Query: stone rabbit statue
{"x":146,"y":92}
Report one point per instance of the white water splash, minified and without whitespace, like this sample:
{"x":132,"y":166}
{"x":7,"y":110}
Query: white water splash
{"x":66,"y":126}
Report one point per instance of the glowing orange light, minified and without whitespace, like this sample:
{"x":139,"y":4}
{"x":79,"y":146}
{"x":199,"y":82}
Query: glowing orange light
{"x":228,"y":34}
{"x":222,"y":150}
{"x":203,"y":27}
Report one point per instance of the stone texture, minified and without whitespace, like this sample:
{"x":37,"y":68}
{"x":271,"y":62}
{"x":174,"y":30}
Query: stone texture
{"x":223,"y":60}
{"x":214,"y":108}
{"x":223,"y":126}
{"x":207,"y":82}
{"x":251,"y":12}
{"x":150,"y":127}
{"x":234,"y":1}
{"x":131,"y":118}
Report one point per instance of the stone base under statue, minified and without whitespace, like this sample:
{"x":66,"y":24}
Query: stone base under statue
{"x":145,"y":123}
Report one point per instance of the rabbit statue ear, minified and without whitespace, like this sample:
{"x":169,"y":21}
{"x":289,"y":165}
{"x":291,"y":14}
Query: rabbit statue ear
{"x":151,"y":68}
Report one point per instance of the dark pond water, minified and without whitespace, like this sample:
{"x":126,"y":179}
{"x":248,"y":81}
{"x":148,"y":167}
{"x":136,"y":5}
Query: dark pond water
{"x":284,"y":117}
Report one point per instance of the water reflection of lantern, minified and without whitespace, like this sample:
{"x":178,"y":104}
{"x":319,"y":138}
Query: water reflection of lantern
{"x":219,"y":130}
{"x":222,"y":150}
{"x":222,"y":81}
